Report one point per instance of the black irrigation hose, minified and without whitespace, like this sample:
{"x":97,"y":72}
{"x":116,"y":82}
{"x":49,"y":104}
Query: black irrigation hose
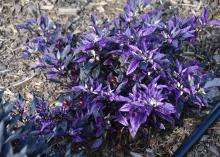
{"x":198,"y":132}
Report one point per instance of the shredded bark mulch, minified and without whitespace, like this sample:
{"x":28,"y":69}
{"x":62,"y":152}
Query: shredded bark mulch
{"x":16,"y":75}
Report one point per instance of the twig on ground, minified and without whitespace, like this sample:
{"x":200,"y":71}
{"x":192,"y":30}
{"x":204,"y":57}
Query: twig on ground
{"x":63,"y":91}
{"x":8,"y":92}
{"x":4,"y":71}
{"x":67,"y":11}
{"x":22,"y":81}
{"x":47,"y":7}
{"x":191,"y":5}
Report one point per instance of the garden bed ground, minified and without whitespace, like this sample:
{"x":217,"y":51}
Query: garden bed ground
{"x":16,"y":76}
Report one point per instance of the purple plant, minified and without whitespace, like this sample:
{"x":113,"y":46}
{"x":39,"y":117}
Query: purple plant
{"x":128,"y":70}
{"x":144,"y":103}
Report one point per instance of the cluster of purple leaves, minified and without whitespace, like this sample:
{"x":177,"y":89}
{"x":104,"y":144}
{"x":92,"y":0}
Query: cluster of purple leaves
{"x":77,"y":117}
{"x":16,"y":137}
{"x":19,"y":139}
{"x":126,"y":71}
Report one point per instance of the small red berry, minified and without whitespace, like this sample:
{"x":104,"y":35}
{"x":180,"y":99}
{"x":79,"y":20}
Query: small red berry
{"x":66,"y":104}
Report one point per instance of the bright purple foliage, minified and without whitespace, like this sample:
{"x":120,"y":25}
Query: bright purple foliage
{"x":128,"y":70}
{"x":145,"y":102}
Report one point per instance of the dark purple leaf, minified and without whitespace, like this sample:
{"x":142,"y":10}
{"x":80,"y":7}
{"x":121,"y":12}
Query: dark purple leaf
{"x":65,"y":52}
{"x":97,"y":143}
{"x":146,"y":2}
{"x":214,"y":23}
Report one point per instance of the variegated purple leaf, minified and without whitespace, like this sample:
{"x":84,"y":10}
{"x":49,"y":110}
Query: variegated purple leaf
{"x":126,"y":107}
{"x":122,"y":120}
{"x":135,"y":122}
{"x":205,"y":15}
{"x":78,"y":88}
{"x":148,"y":31}
{"x":132,"y":66}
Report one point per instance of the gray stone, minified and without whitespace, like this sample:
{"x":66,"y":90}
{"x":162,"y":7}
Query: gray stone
{"x":213,"y":149}
{"x":217,"y":58}
{"x":213,"y":94}
{"x":213,"y":83}
{"x":133,"y":154}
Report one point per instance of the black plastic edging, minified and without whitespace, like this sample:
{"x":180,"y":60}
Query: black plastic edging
{"x":198,"y":132}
